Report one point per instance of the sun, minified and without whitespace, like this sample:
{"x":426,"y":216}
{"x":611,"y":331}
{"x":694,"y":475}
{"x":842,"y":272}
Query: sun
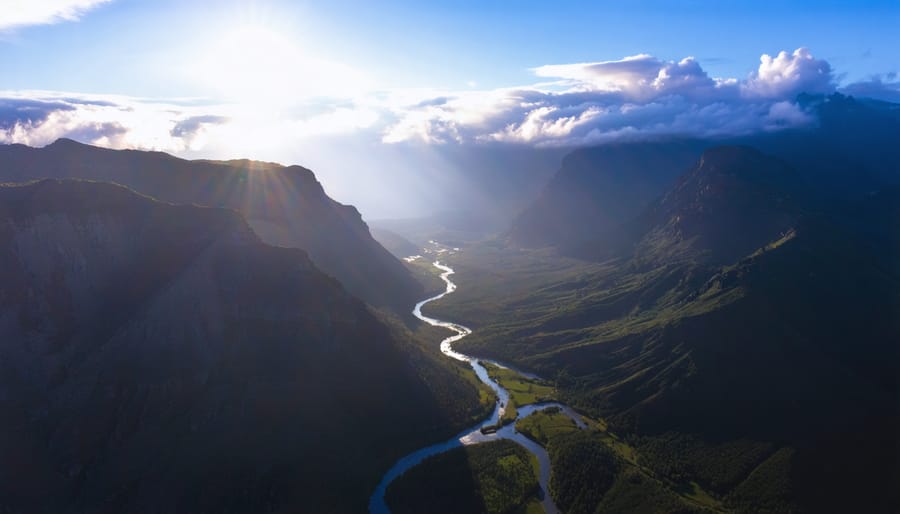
{"x":257,"y":65}
{"x":252,"y":63}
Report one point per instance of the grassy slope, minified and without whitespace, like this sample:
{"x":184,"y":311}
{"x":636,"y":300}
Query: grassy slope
{"x":608,"y":333}
{"x":522,"y":390}
{"x":544,"y":425}
{"x":594,"y":470}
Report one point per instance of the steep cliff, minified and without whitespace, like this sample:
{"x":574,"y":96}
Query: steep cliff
{"x":160,"y":358}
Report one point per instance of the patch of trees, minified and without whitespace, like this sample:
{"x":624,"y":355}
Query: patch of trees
{"x":583,"y":470}
{"x":718,"y":467}
{"x":490,"y":478}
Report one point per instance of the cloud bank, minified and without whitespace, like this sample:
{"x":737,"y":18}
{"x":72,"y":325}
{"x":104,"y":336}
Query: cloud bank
{"x":39,"y":118}
{"x":638,"y":96}
{"x":21,"y":13}
{"x":181,"y":126}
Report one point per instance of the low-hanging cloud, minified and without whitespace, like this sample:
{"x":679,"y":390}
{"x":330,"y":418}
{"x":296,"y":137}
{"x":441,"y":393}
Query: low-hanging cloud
{"x":638,"y":96}
{"x":190,"y":126}
{"x":884,"y":87}
{"x":39,"y":118}
{"x":21,"y":13}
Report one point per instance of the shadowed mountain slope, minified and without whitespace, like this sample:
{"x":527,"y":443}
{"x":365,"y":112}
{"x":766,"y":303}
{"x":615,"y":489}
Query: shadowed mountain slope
{"x":598,"y":192}
{"x":160,"y":358}
{"x":731,"y":202}
{"x":286,"y":206}
{"x":596,"y":189}
{"x":743,"y":320}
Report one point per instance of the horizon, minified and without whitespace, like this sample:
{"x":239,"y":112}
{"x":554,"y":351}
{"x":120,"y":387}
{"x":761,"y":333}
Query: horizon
{"x":298,"y":83}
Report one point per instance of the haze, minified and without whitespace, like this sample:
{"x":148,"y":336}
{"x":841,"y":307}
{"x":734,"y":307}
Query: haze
{"x":380,"y":100}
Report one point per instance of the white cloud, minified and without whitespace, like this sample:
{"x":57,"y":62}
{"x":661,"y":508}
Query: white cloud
{"x":546,"y":122}
{"x":640,"y":77}
{"x":37,"y":118}
{"x":789,"y":114}
{"x":634,"y":97}
{"x":578,"y":104}
{"x":623,"y":74}
{"x":787,"y":75}
{"x":20,"y":13}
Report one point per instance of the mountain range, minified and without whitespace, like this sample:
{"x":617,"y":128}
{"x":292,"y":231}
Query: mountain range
{"x":222,"y":336}
{"x":597,"y":190}
{"x":285,"y":205}
{"x":735,"y":324}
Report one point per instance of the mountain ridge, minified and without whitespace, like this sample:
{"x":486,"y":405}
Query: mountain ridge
{"x":285,"y":205}
{"x":849,"y":152}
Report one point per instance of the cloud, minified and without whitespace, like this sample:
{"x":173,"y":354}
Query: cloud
{"x":28,"y":111}
{"x":787,"y":75}
{"x":184,"y":126}
{"x":880,"y":87}
{"x":634,"y":97}
{"x":193,"y":124}
{"x":640,"y":77}
{"x":39,"y":118}
{"x":21,"y":13}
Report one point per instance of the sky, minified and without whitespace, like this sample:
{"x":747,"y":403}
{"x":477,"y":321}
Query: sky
{"x":313,"y":82}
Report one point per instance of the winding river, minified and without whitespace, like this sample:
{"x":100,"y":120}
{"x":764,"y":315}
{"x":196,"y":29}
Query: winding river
{"x":473,"y":435}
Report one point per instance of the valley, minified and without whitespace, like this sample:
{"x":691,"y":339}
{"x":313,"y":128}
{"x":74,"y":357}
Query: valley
{"x":497,"y":427}
{"x":570,"y":257}
{"x":645,"y":341}
{"x":525,"y":414}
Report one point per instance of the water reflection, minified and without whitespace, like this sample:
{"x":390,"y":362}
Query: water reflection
{"x":473,"y":435}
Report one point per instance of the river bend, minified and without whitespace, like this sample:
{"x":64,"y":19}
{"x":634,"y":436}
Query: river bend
{"x":473,"y":435}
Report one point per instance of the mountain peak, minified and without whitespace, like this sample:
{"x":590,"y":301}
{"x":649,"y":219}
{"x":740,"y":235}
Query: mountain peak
{"x":65,"y":142}
{"x":731,"y":169}
{"x":731,"y":158}
{"x":734,"y":200}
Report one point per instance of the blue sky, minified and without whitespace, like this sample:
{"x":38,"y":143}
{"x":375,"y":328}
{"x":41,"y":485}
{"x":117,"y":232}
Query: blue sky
{"x":297,"y":81}
{"x":445,"y":44}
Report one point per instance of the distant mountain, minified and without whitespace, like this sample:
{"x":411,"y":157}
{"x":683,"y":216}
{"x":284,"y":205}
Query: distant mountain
{"x":731,"y":202}
{"x":286,"y":206}
{"x":393,"y":242}
{"x":598,"y":191}
{"x":161,"y":358}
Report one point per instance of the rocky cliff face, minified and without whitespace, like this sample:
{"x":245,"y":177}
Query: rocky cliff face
{"x":286,"y":206}
{"x":733,"y":201}
{"x":160,"y":358}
